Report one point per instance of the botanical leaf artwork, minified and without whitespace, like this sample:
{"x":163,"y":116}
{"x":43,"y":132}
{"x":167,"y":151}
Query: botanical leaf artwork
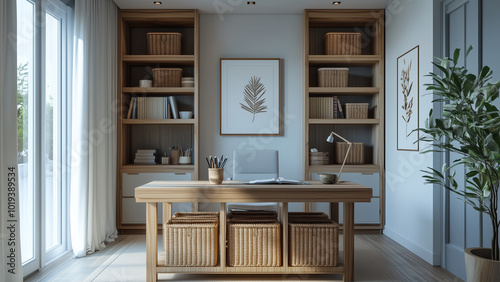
{"x":253,"y":97}
{"x":406,"y":86}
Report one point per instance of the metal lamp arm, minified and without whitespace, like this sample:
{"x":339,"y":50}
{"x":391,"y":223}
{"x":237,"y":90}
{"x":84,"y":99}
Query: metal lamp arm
{"x":346,"y":154}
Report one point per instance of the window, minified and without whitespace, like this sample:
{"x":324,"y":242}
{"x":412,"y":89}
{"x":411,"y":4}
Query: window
{"x":42,"y":27}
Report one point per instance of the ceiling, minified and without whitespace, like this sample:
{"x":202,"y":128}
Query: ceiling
{"x":260,"y":7}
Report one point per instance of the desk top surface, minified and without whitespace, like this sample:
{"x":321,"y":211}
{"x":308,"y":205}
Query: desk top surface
{"x":237,"y":191}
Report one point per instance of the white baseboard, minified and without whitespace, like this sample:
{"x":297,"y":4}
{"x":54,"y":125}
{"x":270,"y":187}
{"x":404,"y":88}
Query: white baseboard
{"x":430,"y":257}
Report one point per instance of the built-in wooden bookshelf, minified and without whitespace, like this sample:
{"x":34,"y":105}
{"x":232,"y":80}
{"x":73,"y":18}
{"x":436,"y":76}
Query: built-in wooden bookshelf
{"x":365,"y":85}
{"x":134,"y":64}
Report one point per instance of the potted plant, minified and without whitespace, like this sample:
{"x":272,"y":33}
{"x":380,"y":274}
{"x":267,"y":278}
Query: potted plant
{"x":469,"y":126}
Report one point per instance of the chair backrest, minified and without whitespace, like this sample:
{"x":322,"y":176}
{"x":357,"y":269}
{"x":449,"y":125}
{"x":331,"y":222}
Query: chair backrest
{"x":255,"y":164}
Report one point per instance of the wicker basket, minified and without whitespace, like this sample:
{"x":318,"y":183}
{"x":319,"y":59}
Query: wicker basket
{"x":356,"y":110}
{"x":356,"y":155}
{"x":167,"y":77}
{"x":343,"y":43}
{"x":189,"y":242}
{"x":333,"y":77}
{"x":254,"y":242}
{"x":318,"y":158}
{"x":313,"y":243}
{"x":164,"y":43}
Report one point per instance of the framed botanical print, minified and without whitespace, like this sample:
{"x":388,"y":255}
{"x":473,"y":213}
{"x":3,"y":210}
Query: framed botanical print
{"x":407,"y":100}
{"x":250,"y":96}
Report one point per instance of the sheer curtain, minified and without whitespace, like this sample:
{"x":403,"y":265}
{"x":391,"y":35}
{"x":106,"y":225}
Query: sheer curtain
{"x":93,"y":162}
{"x":10,"y":249}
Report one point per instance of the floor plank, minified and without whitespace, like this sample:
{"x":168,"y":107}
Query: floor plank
{"x":377,"y":258}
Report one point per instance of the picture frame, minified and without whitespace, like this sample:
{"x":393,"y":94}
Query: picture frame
{"x":408,"y":100}
{"x":250,"y":96}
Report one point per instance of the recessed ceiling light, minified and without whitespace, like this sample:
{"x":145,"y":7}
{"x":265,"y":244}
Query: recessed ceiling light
{"x":157,"y":2}
{"x":336,"y":3}
{"x":251,"y":3}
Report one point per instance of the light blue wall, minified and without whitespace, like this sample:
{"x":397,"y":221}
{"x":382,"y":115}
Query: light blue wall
{"x":411,"y":214}
{"x":252,"y":36}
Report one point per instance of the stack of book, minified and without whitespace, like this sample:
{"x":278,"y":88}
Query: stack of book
{"x":153,"y":108}
{"x":325,"y":108}
{"x":145,"y":156}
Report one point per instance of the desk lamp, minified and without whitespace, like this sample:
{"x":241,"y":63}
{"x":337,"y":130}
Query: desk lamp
{"x":330,"y":140}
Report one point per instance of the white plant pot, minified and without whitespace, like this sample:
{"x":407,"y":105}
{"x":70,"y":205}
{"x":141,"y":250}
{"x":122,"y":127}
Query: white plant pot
{"x":478,"y":266}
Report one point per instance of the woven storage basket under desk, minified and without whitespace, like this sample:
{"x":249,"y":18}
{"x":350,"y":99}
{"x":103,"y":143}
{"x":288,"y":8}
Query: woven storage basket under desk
{"x":254,"y":243}
{"x":164,"y":43}
{"x":356,"y":155}
{"x":191,"y":242}
{"x":167,"y":77}
{"x":343,"y":43}
{"x":313,"y":243}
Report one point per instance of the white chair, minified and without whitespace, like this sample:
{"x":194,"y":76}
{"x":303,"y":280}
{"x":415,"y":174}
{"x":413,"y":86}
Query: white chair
{"x":251,"y":165}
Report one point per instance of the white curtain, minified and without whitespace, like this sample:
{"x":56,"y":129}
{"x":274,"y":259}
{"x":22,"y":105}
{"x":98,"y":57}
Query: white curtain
{"x":10,"y":249}
{"x":93,"y":168}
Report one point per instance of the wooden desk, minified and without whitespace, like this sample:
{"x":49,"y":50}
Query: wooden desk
{"x":168,"y":192}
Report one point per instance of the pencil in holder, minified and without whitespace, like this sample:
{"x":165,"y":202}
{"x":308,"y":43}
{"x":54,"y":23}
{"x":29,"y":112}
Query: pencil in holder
{"x":215,"y":175}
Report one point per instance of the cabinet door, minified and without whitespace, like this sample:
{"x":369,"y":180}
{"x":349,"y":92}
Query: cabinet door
{"x":364,"y":213}
{"x":132,"y":181}
{"x":135,"y":213}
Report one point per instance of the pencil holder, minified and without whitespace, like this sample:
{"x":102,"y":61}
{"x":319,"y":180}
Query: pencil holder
{"x":174,"y":157}
{"x":215,"y":175}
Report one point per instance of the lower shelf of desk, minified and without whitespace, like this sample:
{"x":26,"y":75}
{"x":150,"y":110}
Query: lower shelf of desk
{"x":161,"y":268}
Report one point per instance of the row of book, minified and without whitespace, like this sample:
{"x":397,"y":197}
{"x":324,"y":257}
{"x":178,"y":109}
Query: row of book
{"x":325,"y":108}
{"x":153,"y":108}
{"x":145,"y":156}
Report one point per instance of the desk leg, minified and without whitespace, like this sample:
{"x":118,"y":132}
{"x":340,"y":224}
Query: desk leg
{"x":151,"y":241}
{"x":222,"y":235}
{"x":348,"y":241}
{"x":284,"y":222}
{"x":334,"y":212}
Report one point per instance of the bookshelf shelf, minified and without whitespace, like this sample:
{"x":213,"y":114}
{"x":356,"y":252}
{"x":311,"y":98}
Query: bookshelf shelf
{"x":131,"y":168}
{"x":344,"y":121}
{"x":364,"y":168}
{"x":187,"y":60}
{"x":344,"y":59}
{"x":159,"y":90}
{"x":158,"y":121}
{"x":342,"y":91}
{"x":365,"y":86}
{"x":151,"y":132}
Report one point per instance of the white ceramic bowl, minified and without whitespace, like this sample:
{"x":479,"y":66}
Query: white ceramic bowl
{"x":184,"y":160}
{"x":185,"y":114}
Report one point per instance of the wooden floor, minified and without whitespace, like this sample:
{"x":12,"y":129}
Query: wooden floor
{"x":377,"y":258}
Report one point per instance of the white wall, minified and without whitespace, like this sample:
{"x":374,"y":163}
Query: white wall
{"x":412,"y":218}
{"x":252,"y":36}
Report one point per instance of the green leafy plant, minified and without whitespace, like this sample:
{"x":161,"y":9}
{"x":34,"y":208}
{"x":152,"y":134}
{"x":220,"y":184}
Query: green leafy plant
{"x":469,"y":126}
{"x":252,"y":94}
